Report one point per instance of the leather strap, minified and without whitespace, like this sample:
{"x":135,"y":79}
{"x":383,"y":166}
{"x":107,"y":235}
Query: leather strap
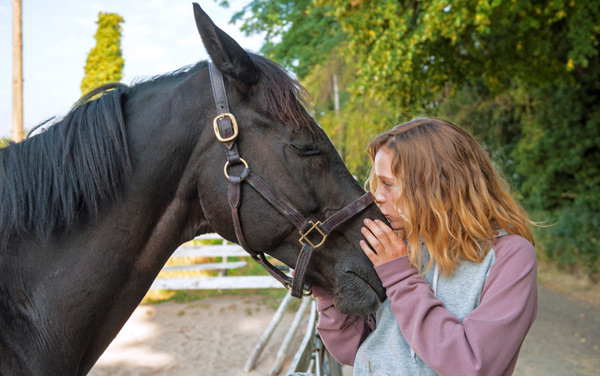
{"x":225,"y":125}
{"x":300,"y":269}
{"x":279,"y":202}
{"x":282,"y":204}
{"x":234,"y":194}
{"x":348,"y":212}
{"x":218,"y":88}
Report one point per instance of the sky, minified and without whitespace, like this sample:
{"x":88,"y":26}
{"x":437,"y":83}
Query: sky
{"x":158,"y":36}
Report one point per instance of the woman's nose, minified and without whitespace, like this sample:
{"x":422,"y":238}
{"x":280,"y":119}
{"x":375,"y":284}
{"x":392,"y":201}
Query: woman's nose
{"x":379,"y":198}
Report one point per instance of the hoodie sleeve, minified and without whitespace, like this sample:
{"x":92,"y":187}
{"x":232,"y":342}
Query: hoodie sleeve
{"x":488,"y":340}
{"x":342,"y":334}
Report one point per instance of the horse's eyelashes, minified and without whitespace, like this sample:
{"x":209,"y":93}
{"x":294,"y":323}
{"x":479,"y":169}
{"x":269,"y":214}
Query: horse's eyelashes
{"x":305,"y":150}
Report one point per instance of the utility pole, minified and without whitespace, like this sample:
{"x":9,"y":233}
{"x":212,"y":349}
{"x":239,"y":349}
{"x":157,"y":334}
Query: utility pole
{"x":17,"y":110}
{"x":336,"y":107}
{"x":336,"y":96}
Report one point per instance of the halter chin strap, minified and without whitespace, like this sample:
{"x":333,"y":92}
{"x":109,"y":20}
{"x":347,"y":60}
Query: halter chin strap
{"x":226,"y":131}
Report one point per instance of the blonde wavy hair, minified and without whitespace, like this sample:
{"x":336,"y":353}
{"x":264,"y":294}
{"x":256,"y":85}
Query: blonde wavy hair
{"x":448,"y":193}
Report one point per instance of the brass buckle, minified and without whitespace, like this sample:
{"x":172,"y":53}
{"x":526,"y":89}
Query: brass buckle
{"x":314,"y":226}
{"x":227,"y":165}
{"x":233,"y":122}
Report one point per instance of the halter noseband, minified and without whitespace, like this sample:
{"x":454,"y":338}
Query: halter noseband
{"x":226,"y":131}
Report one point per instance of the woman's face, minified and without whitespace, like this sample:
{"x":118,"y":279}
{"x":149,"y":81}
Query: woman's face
{"x":385,"y":195}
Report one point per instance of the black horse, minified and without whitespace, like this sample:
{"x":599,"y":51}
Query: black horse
{"x":93,"y":207}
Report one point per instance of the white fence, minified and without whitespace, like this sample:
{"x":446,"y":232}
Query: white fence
{"x":222,"y":281}
{"x":311,"y":359}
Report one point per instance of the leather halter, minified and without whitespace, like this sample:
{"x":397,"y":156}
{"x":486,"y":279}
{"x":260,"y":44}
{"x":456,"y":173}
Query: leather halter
{"x":226,"y":131}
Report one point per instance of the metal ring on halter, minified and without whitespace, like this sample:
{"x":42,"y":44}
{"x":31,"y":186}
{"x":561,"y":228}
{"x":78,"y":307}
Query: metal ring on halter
{"x":227,"y":165}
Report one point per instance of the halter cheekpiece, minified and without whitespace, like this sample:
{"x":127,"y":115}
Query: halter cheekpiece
{"x":226,"y":131}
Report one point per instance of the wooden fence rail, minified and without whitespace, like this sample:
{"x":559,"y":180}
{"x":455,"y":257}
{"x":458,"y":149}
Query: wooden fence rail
{"x":222,"y":281}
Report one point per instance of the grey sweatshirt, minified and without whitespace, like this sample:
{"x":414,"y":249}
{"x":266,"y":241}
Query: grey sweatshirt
{"x":470,"y":323}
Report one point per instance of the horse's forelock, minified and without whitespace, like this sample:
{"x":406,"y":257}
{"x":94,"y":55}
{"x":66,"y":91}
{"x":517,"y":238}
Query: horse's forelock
{"x":284,"y":95}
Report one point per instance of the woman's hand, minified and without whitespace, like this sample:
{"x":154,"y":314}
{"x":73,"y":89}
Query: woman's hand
{"x":383,"y":240}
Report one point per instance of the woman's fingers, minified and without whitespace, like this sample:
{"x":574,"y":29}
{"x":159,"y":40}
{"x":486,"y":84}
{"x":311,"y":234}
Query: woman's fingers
{"x":384,"y":241}
{"x":370,"y":252}
{"x":371,"y":238}
{"x":378,"y":229}
{"x":386,"y":229}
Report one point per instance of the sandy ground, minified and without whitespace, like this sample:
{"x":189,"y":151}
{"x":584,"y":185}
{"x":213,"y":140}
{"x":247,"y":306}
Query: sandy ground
{"x":212,"y":336}
{"x":215,"y":337}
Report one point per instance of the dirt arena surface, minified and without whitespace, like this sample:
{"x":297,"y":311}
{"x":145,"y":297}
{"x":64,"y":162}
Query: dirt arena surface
{"x":215,"y":337}
{"x":212,"y":336}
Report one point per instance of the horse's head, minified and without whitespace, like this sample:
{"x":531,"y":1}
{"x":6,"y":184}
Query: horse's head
{"x":285,"y":149}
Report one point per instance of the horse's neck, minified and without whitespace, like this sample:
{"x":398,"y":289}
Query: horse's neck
{"x":95,"y":275}
{"x":84,"y":283}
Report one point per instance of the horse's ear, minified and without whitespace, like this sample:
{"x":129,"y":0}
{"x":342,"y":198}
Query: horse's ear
{"x":225,"y":53}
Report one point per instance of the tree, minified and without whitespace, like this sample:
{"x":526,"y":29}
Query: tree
{"x":4,"y":142}
{"x":409,"y":50}
{"x":104,"y":63}
{"x":298,"y":34}
{"x":521,"y":75}
{"x":558,"y":164}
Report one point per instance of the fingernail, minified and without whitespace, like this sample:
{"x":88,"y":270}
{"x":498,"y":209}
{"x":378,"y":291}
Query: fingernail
{"x":367,"y":221}
{"x":364,"y":229}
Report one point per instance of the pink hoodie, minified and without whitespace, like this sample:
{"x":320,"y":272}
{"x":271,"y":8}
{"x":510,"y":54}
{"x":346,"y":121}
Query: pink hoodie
{"x":485,"y":342}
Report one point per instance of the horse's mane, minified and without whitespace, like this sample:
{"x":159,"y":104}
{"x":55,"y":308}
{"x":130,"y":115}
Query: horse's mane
{"x":81,"y":162}
{"x":283,"y":94}
{"x":73,"y":167}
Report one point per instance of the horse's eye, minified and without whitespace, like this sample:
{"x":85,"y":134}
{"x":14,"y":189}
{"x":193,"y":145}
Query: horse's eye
{"x":305,"y":150}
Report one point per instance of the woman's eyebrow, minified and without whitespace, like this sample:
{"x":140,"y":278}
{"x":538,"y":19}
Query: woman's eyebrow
{"x":385,"y":177}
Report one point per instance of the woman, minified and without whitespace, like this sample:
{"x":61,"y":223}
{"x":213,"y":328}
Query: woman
{"x":456,"y":257}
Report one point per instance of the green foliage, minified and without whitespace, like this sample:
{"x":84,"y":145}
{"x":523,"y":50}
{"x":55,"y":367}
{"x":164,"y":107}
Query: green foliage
{"x":104,"y":63}
{"x":523,"y":76}
{"x":409,"y":51}
{"x":558,"y":159}
{"x":298,"y":34}
{"x":4,"y":142}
